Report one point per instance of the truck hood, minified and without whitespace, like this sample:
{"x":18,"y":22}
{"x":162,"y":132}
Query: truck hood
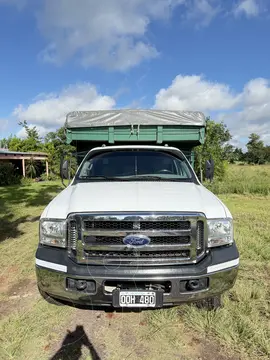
{"x":135,"y":197}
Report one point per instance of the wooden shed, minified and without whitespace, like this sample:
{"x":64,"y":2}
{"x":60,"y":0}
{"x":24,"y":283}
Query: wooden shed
{"x":19,"y":158}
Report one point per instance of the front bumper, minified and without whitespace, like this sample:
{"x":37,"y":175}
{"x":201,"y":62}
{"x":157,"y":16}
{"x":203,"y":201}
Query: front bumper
{"x":54,"y":268}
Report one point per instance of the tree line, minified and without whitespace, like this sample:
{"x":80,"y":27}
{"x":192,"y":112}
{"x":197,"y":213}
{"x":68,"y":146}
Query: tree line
{"x":257,"y":152}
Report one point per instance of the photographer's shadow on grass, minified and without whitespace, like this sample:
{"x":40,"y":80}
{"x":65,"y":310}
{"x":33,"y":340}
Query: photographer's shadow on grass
{"x":72,"y":345}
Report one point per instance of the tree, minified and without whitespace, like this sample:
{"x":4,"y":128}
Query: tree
{"x":4,"y":143}
{"x":14,"y":144}
{"x":267,"y":153}
{"x":31,"y":168}
{"x":55,"y":145}
{"x":256,"y":153}
{"x":229,"y":153}
{"x":32,"y":141}
{"x":217,"y":135}
{"x":238,"y":154}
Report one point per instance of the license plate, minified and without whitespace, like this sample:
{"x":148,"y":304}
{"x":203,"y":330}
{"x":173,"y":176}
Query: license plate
{"x":137,"y":298}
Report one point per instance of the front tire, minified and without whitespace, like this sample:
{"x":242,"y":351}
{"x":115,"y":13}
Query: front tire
{"x":210,"y":304}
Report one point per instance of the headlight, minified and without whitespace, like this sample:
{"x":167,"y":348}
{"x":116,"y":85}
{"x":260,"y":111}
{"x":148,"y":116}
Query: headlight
{"x":53,"y":233}
{"x":220,"y":232}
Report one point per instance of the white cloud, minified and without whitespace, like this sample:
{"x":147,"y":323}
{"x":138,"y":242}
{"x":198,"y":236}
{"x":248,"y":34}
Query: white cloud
{"x":49,"y":110}
{"x":244,"y":112}
{"x":250,"y":8}
{"x":106,"y":33}
{"x":202,"y":12}
{"x":194,"y":92}
{"x":254,"y":115}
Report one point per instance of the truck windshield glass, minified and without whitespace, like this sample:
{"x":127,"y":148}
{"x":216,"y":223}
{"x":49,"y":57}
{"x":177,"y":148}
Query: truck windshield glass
{"x":134,"y":166}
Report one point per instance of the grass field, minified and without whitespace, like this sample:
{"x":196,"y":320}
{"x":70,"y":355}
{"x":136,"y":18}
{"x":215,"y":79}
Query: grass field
{"x":244,"y":179}
{"x":243,"y":324}
{"x":32,"y":329}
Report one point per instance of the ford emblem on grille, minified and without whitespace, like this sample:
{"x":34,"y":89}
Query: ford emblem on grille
{"x":136,"y":240}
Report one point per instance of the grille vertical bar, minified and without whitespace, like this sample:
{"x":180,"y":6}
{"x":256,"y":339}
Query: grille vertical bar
{"x":200,"y":237}
{"x":72,"y":235}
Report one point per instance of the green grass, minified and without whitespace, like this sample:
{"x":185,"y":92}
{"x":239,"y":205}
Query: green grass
{"x":27,"y":328}
{"x":244,"y":179}
{"x":26,"y":334}
{"x":20,"y":209}
{"x":243,"y":324}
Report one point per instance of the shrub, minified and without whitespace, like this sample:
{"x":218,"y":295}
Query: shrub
{"x":8,"y":174}
{"x":26,"y":181}
{"x":51,"y":177}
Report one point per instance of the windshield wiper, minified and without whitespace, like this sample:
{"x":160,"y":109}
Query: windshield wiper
{"x":98,"y":177}
{"x":145,"y":177}
{"x":154,"y":178}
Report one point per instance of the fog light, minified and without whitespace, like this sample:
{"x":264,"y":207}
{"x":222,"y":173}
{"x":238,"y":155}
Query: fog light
{"x":81,"y":285}
{"x":193,"y":285}
{"x":85,"y":286}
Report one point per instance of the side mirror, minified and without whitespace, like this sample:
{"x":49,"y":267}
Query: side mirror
{"x":209,"y":169}
{"x":65,"y":169}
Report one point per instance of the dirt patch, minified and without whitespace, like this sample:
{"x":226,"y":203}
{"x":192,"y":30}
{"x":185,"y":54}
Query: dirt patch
{"x":6,"y":277}
{"x":18,"y":296}
{"x":22,"y":288}
{"x":212,"y":351}
{"x":4,"y":308}
{"x":79,"y":340}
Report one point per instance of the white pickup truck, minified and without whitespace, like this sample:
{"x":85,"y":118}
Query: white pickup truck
{"x":136,"y":228}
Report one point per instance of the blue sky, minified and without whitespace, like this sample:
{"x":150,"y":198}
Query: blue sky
{"x":206,"y":55}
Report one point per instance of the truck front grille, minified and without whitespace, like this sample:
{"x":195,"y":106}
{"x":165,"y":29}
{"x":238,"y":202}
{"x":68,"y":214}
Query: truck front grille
{"x":175,"y":238}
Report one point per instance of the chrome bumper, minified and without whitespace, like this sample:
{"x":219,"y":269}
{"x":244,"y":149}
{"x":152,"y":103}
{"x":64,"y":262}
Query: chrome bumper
{"x":54,"y":284}
{"x":221,"y":275}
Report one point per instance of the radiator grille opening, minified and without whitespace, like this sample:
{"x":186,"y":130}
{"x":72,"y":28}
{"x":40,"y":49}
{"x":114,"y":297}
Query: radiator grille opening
{"x":118,"y":255}
{"x":137,"y":225}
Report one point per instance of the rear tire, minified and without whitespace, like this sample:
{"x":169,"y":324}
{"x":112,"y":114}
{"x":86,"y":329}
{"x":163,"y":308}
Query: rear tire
{"x":210,"y":304}
{"x":49,"y":299}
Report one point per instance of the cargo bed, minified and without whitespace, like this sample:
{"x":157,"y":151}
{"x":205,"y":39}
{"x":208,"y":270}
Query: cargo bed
{"x":182,"y":129}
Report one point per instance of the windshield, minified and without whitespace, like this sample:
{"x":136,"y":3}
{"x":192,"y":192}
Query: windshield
{"x":135,"y":165}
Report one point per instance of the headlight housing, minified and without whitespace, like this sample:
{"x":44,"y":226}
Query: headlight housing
{"x":220,"y":232}
{"x":53,"y":232}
